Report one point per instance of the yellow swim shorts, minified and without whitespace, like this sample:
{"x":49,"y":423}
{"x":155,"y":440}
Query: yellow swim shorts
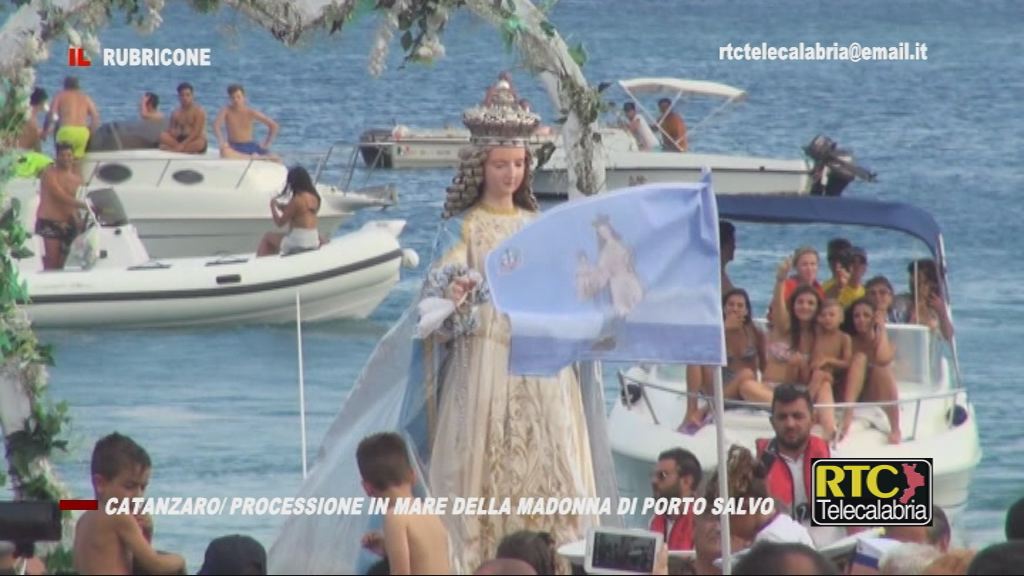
{"x":76,"y":136}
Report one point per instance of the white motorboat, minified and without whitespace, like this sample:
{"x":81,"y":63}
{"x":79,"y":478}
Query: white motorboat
{"x":197,"y":205}
{"x":348,"y":277}
{"x":627,"y":165}
{"x":404,"y":147}
{"x":937,"y":419}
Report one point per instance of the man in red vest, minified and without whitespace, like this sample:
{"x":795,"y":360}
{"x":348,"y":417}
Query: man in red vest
{"x":676,"y":475}
{"x":787,"y":457}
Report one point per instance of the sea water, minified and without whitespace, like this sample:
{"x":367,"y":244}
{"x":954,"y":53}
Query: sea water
{"x":218,"y":410}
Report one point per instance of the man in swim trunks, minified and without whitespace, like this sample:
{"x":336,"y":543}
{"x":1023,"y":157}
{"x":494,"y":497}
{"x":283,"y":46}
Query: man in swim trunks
{"x":187,"y":129}
{"x":239,"y":119}
{"x":77,"y":114}
{"x":57,"y":216}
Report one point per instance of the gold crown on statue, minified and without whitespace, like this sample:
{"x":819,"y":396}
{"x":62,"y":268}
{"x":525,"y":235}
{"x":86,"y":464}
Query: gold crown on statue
{"x":500,"y":120}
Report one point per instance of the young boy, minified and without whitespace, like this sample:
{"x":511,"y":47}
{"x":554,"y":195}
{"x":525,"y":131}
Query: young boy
{"x":833,"y":350}
{"x":110,"y":544}
{"x":413,"y":544}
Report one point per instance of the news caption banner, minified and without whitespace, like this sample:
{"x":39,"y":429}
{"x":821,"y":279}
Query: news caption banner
{"x":133,"y":57}
{"x":459,"y":506}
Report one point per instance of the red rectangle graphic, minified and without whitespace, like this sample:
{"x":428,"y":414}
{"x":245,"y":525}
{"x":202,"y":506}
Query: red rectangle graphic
{"x":79,"y":505}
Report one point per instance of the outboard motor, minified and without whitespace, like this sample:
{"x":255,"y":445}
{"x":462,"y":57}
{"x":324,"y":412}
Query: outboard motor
{"x":834,"y":168}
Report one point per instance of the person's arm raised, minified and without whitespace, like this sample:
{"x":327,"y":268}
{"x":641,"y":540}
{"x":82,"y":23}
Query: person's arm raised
{"x":780,"y":316}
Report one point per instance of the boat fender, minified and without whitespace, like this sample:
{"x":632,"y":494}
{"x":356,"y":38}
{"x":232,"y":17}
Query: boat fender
{"x":410,"y":259}
{"x":957,"y":415}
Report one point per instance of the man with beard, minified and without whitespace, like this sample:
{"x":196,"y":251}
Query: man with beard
{"x":676,"y":475}
{"x":787,"y":457}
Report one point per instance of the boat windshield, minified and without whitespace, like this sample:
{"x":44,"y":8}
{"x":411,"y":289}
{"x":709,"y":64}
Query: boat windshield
{"x":108,"y":208}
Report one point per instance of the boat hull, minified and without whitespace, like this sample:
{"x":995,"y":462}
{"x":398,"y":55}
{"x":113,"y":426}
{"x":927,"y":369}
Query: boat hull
{"x":347,"y":278}
{"x":732,"y":174}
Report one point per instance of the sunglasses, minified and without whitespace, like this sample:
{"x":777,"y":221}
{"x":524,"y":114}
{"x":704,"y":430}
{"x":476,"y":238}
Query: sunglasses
{"x":660,"y":474}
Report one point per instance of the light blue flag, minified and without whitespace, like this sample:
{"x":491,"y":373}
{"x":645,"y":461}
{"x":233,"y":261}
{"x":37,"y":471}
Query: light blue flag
{"x":632,"y":275}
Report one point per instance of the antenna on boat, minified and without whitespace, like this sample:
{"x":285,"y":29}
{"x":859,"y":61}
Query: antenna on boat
{"x":302,"y":381}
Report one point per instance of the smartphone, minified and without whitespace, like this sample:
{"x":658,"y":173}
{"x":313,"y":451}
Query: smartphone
{"x":621,"y":551}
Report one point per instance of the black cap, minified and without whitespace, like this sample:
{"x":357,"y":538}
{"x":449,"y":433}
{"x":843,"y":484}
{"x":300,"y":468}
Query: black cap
{"x":235,"y":554}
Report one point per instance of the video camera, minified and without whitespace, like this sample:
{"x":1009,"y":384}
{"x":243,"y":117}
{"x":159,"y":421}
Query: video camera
{"x":30,"y":521}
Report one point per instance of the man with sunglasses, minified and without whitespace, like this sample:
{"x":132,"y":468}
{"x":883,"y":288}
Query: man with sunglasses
{"x":676,"y":475}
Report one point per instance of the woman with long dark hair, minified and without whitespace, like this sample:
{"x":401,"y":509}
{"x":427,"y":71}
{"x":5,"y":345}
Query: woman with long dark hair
{"x":299,"y":215}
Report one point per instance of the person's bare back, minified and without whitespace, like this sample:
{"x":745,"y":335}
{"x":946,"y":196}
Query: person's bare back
{"x":416,"y":544}
{"x":110,"y":544}
{"x":76,"y":108}
{"x":97,"y":549}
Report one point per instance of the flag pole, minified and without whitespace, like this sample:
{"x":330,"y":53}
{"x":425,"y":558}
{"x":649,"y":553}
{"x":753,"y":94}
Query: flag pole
{"x":723,"y":470}
{"x":302,"y":381}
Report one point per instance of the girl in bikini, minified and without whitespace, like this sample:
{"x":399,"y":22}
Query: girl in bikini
{"x":871,"y":368}
{"x":744,"y":345}
{"x":790,"y":344}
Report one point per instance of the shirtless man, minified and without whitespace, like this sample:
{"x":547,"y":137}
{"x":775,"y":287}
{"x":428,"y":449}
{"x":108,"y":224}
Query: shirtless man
{"x":187,"y":129}
{"x":240,"y":118}
{"x":57,"y":219}
{"x":77,"y":114}
{"x":672,"y":127}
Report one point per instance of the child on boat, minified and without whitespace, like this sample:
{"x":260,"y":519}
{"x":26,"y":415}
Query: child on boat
{"x":111,"y":543}
{"x":412,"y":543}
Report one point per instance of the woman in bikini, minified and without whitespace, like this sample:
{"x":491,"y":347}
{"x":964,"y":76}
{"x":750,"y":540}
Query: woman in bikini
{"x":744,"y":345}
{"x":871,"y":368}
{"x":790,"y":344}
{"x":299,"y":215}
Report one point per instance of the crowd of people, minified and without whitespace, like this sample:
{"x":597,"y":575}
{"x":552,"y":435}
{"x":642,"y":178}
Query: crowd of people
{"x":73,"y":118}
{"x":780,"y":542}
{"x":828,"y":336}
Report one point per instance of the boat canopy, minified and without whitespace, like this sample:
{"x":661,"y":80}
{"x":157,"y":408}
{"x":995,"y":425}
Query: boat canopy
{"x":680,"y":85}
{"x":826,"y":210}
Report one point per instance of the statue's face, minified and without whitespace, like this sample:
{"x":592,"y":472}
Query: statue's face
{"x":504,"y":171}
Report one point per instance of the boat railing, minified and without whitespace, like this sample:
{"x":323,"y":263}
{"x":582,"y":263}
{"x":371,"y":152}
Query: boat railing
{"x":167,"y":163}
{"x":625,"y":381}
{"x":352,"y":162}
